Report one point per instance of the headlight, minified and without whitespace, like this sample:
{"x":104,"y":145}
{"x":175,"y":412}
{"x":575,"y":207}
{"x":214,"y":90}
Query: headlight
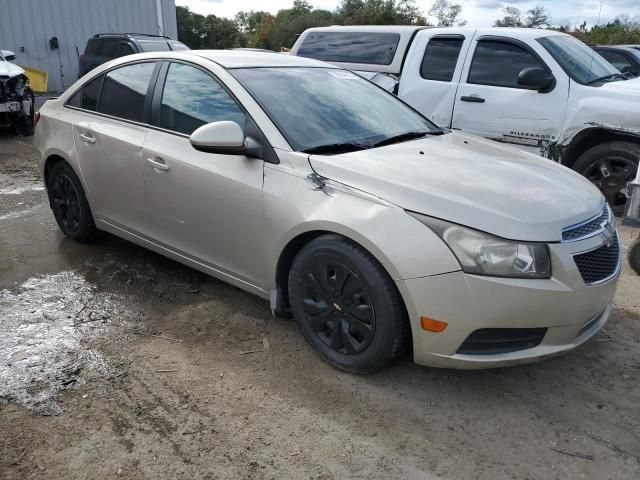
{"x":484,"y":254}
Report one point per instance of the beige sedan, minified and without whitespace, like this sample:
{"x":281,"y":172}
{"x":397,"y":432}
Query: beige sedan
{"x":306,"y":184}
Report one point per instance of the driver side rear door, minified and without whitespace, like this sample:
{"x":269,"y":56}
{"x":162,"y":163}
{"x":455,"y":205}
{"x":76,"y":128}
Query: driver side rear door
{"x":490,"y":103}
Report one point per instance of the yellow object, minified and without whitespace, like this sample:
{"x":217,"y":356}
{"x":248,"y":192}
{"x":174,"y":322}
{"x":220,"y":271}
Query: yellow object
{"x":432,"y":325}
{"x":38,"y":79}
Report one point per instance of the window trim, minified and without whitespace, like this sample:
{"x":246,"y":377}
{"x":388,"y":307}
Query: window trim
{"x":509,"y":41}
{"x":103,"y":74}
{"x":448,"y":36}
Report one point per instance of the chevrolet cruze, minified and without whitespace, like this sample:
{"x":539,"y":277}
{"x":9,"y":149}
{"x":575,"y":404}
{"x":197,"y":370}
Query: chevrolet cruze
{"x":307,"y":185}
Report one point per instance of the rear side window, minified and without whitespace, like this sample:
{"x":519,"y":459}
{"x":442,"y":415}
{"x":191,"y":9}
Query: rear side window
{"x":92,"y":47}
{"x":153,"y":45}
{"x":124,"y":91}
{"x":108,"y":47}
{"x":191,"y":98}
{"x":351,"y":47}
{"x":440,"y":59}
{"x":87,"y":96}
{"x":500,"y":63}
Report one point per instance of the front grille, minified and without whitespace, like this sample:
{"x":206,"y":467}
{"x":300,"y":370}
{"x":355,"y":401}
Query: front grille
{"x":588,"y":228}
{"x":493,"y":341}
{"x":600,"y":264}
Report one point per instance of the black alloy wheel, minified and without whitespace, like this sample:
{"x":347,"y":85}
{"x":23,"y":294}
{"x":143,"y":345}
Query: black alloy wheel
{"x":346,"y":305}
{"x":338,"y":306}
{"x":65,"y":203}
{"x":69,"y":204}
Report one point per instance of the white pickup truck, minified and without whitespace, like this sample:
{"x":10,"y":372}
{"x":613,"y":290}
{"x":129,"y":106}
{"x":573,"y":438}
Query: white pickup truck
{"x":540,"y":90}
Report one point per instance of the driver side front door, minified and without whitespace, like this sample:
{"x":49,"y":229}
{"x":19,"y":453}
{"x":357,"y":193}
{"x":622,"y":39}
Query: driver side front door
{"x":204,"y":206}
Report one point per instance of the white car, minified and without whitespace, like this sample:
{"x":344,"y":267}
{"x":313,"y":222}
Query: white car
{"x":307,"y":185}
{"x":16,"y":98}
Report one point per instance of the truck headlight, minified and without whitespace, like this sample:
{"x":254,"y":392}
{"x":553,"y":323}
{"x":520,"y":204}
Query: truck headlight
{"x":483,"y":254}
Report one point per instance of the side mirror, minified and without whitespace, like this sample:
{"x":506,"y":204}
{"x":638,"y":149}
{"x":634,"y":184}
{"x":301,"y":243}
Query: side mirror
{"x":8,"y":55}
{"x":537,"y":79}
{"x":225,"y":138}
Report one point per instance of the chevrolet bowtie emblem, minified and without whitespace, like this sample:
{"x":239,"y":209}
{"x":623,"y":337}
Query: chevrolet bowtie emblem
{"x":608,"y":235}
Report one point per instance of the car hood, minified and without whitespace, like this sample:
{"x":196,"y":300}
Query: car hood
{"x":470,"y":181}
{"x":624,"y":86}
{"x":8,"y":69}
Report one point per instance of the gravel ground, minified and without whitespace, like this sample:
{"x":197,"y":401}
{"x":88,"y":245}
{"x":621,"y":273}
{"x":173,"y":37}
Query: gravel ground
{"x":115,"y":361}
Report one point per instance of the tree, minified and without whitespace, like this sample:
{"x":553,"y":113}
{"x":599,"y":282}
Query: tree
{"x":512,"y":18}
{"x":537,"y":17}
{"x":447,"y":13}
{"x":380,"y":12}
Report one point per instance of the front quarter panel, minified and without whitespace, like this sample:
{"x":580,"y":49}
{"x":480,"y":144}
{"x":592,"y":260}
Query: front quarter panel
{"x":294,"y":205}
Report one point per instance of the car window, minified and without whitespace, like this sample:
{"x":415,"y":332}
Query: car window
{"x":92,"y":47}
{"x":108,"y":47}
{"x":440,"y":58}
{"x":616,"y":59}
{"x":124,"y":91}
{"x":192,"y":98}
{"x":87,"y":96}
{"x":125,"y":49}
{"x":499,"y":64}
{"x":159,"y":45}
{"x":351,"y":47}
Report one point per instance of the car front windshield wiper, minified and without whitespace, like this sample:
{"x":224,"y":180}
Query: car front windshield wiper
{"x":607,"y":77}
{"x":403,"y":137}
{"x":336,"y":148}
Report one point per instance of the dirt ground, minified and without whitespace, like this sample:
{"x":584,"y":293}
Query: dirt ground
{"x":118,"y":363}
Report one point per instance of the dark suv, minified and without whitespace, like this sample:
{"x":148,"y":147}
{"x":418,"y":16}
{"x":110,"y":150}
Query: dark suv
{"x":106,"y":46}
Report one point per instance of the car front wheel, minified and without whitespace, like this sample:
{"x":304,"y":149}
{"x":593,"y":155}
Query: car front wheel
{"x":346,"y":305}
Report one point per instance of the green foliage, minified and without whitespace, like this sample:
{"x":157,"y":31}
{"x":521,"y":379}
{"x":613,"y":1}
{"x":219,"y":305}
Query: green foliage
{"x":261,"y":29}
{"x":447,"y":13}
{"x":537,"y":17}
{"x":623,"y":30}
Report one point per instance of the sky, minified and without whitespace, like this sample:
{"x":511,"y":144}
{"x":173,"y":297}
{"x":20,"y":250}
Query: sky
{"x":478,"y":13}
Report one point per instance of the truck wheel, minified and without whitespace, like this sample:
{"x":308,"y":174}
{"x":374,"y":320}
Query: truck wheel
{"x":634,"y":256}
{"x":610,"y":166}
{"x":69,"y":204}
{"x":346,"y":305}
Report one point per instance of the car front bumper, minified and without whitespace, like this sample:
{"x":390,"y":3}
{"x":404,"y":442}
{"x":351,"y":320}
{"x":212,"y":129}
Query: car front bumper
{"x":570,"y":310}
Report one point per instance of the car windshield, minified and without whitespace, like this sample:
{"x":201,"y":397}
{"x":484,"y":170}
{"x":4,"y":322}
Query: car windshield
{"x":578,"y":60}
{"x":323,"y":107}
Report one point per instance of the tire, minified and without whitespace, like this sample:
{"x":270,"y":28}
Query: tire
{"x":634,"y":256}
{"x":620,"y":161}
{"x":69,"y":204}
{"x":346,"y":305}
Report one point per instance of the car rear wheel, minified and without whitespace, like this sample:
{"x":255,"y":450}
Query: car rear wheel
{"x":69,"y":204}
{"x":610,"y":166}
{"x":346,"y":305}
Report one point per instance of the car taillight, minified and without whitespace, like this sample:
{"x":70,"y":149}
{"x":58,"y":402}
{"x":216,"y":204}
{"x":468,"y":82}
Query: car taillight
{"x":36,"y":118}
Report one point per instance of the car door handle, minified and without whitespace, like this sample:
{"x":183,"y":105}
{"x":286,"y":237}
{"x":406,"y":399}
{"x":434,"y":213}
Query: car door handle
{"x":87,"y":138}
{"x":472,"y":99}
{"x":158,"y":164}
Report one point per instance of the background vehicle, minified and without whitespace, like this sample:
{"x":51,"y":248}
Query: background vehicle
{"x":106,"y":46}
{"x":626,"y":59}
{"x":16,"y":98}
{"x":305,"y":184}
{"x":539,"y":90}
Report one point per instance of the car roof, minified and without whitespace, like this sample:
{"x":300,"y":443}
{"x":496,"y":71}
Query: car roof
{"x":251,"y":58}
